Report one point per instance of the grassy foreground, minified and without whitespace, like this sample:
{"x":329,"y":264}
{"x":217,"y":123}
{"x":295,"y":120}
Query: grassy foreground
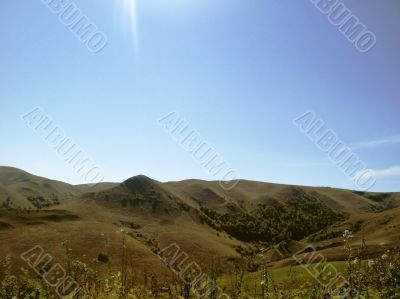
{"x":357,"y":277}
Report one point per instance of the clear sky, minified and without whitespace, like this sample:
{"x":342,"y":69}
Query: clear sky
{"x":239,"y":71}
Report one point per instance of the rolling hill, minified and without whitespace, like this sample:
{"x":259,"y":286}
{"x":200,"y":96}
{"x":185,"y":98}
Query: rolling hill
{"x":20,"y":189}
{"x":24,"y":190}
{"x":143,"y":216}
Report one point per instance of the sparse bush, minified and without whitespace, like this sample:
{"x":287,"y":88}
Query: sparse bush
{"x":103,"y":257}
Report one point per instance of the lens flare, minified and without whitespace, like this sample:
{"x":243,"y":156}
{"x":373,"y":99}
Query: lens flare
{"x":129,"y":9}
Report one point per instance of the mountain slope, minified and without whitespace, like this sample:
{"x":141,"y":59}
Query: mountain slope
{"x":142,"y":193}
{"x":138,"y":214}
{"x":249,"y":194}
{"x":20,"y":189}
{"x":199,"y":216}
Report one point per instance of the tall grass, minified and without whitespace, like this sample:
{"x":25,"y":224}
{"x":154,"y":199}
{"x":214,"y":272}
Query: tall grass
{"x":377,"y":277}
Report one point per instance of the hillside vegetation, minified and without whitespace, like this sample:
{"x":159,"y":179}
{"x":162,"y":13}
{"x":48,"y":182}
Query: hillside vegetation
{"x":231,"y":234}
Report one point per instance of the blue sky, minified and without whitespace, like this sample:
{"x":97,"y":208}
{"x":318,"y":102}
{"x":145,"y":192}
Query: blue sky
{"x":239,"y":71}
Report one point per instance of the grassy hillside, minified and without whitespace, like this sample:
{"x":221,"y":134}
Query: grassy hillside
{"x":249,"y":194}
{"x":107,"y":225}
{"x":20,"y":189}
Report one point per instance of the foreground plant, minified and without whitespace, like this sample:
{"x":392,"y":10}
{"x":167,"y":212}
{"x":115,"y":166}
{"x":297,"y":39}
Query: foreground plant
{"x":378,"y":278}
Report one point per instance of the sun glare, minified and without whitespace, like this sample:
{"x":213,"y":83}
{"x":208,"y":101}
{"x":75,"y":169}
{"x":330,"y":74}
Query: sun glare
{"x":130,"y":19}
